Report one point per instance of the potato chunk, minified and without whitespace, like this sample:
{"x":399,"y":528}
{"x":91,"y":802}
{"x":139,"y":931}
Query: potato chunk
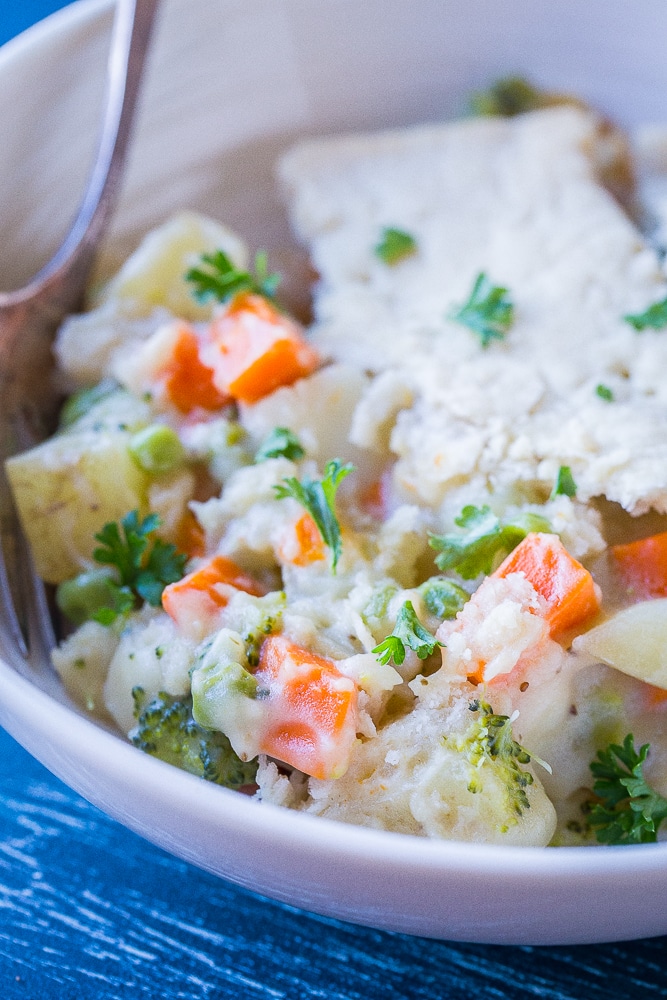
{"x":154,"y":275}
{"x":634,"y":641}
{"x":66,"y":490}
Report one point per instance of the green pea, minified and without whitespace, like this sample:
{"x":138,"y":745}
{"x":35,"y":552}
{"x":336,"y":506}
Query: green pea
{"x":443,"y":597}
{"x":157,"y":449}
{"x":80,"y":598}
{"x":235,"y":433}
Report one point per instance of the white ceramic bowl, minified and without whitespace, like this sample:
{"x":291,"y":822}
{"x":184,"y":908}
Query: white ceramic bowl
{"x":229,"y":85}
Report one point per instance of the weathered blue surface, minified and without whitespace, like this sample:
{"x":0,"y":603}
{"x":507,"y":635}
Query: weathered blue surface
{"x":89,"y":910}
{"x":17,"y":15}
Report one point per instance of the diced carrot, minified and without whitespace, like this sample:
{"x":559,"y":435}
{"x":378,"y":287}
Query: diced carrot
{"x":253,"y":349}
{"x":188,"y":381}
{"x":375,"y":499}
{"x":190,"y":536}
{"x":477,"y":675}
{"x":654,"y":697}
{"x":372,"y":500}
{"x":302,"y":544}
{"x":194,"y":602}
{"x":568,"y":588}
{"x":642,"y":565}
{"x":311,"y":709}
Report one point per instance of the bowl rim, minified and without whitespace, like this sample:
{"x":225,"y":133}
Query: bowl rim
{"x":42,"y":33}
{"x":24,"y":703}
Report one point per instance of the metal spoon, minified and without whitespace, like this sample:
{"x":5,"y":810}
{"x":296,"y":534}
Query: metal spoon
{"x":30,"y":316}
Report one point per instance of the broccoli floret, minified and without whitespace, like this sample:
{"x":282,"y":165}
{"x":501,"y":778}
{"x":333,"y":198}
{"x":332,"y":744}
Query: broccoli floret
{"x":488,"y":741}
{"x":166,"y":729}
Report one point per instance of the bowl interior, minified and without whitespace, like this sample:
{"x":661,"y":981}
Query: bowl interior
{"x":229,"y":86}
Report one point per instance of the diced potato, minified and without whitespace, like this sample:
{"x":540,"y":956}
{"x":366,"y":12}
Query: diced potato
{"x":117,"y":411}
{"x":153,"y":275}
{"x":66,"y":490}
{"x":168,"y":497}
{"x":87,"y":343}
{"x":82,"y":662}
{"x":150,"y":655}
{"x":319,"y":410}
{"x":634,"y":641}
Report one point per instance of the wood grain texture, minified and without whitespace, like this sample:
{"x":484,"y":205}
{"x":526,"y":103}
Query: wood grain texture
{"x":88,"y":909}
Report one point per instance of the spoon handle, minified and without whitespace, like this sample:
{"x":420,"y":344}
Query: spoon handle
{"x":30,"y":315}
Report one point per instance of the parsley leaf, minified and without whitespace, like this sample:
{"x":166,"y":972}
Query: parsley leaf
{"x":408,"y":631}
{"x":142,"y":572}
{"x":395,"y":245}
{"x":653,"y":318}
{"x":164,"y":565}
{"x":627,"y":810}
{"x":125,"y":552}
{"x":121,"y":602}
{"x":219,"y":278}
{"x":318,"y":497}
{"x":281,"y":442}
{"x":391,"y":648}
{"x":565,"y":484}
{"x":604,"y":392}
{"x":484,"y":542}
{"x":488,"y":312}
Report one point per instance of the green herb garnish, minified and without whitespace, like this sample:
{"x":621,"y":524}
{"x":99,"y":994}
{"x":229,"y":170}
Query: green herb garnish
{"x":280,"y":443}
{"x":565,"y":484}
{"x":604,"y":392}
{"x":318,"y":497}
{"x":142,"y":572}
{"x":484,"y":542}
{"x":219,"y":278}
{"x":408,"y":631}
{"x":395,"y":245}
{"x":512,"y":95}
{"x":627,"y":810}
{"x":488,"y":312}
{"x":653,"y":318}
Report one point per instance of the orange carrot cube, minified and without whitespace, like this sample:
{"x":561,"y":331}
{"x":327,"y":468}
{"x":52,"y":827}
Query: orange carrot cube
{"x":655,"y":698}
{"x":302,"y":544}
{"x":253,"y":349}
{"x":568,"y":588}
{"x":188,"y":381}
{"x":311,"y":709}
{"x":642,"y":565}
{"x":190,"y":536}
{"x":193,"y":603}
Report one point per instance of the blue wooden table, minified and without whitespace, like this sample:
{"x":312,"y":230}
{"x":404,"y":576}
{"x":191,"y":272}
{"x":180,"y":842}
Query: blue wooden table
{"x":88,"y":909}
